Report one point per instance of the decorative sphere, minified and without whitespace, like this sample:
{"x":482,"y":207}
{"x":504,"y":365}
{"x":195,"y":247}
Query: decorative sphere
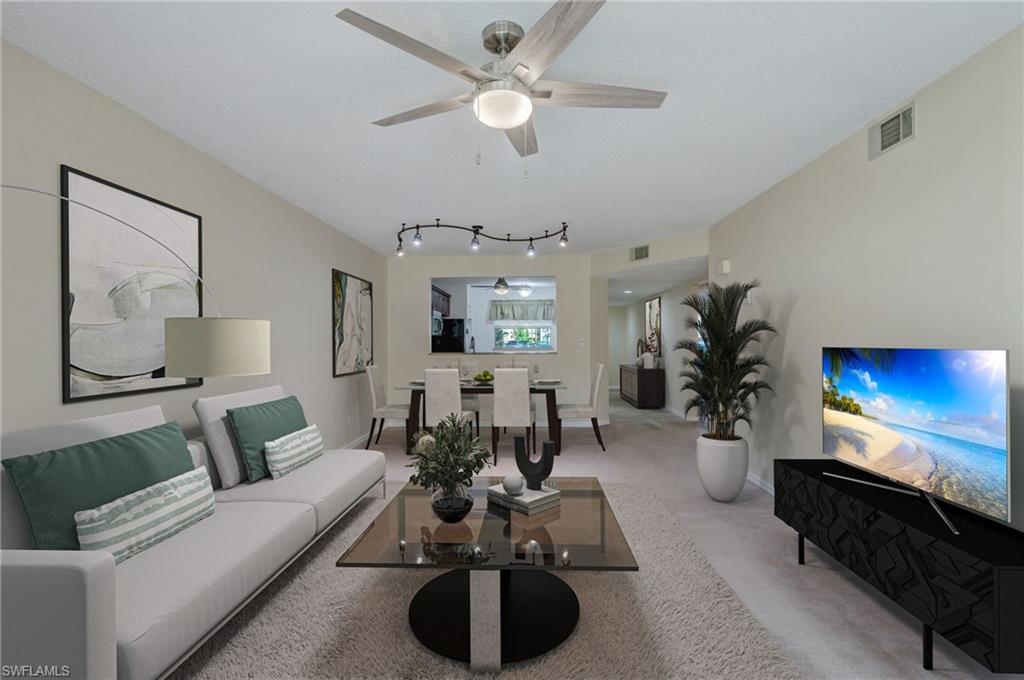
{"x":513,"y":485}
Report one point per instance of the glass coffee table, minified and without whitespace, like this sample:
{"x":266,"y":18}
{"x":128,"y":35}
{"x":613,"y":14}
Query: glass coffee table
{"x":500,"y":599}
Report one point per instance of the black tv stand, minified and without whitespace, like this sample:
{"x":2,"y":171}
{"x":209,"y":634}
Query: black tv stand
{"x":968,"y":588}
{"x":927,"y":496}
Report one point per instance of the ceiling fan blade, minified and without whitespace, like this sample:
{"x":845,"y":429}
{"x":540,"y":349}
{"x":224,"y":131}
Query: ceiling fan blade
{"x":559,"y":93}
{"x":549,"y":37}
{"x":431,"y":109}
{"x":415,"y":47}
{"x":524,"y":138}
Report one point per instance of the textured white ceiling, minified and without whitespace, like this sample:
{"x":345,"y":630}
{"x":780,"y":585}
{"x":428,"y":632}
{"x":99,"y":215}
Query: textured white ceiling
{"x":284,"y":94}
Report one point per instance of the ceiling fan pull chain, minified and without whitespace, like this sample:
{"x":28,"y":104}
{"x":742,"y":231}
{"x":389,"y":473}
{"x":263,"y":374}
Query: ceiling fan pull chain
{"x":526,"y":170}
{"x":478,"y":142}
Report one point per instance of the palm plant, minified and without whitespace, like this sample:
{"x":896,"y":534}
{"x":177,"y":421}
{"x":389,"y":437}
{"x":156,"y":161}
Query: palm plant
{"x":840,"y":357}
{"x":722,"y":376}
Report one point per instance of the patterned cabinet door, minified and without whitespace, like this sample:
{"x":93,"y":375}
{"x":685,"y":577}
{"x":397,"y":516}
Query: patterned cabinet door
{"x":939,"y":584}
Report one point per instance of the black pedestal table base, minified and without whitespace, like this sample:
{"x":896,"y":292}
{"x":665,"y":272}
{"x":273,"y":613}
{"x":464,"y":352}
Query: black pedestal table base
{"x":538,"y":611}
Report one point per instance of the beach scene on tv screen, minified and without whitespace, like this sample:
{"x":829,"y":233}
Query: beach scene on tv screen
{"x":934,"y":419}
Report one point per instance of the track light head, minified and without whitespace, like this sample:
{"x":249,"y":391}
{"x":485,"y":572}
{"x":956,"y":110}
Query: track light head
{"x":530,"y":250}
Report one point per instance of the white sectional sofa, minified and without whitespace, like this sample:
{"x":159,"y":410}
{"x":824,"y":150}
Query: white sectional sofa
{"x":141,"y":618}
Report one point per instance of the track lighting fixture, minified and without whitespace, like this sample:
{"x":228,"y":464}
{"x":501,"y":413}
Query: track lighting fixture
{"x":479,"y":233}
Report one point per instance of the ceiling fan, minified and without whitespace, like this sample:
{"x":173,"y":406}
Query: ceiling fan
{"x":505,"y":90}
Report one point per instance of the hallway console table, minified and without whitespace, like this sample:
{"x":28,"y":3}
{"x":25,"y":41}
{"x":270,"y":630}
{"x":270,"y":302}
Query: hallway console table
{"x":967,"y":588}
{"x":642,"y":387}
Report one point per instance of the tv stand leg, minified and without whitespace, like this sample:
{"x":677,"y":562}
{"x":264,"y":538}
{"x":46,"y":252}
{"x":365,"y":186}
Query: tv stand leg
{"x":799,"y":548}
{"x":926,"y":646}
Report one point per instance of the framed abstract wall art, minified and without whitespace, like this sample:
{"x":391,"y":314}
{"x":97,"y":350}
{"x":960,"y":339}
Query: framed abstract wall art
{"x":118,"y":286}
{"x":352,"y":328}
{"x":652,"y":325}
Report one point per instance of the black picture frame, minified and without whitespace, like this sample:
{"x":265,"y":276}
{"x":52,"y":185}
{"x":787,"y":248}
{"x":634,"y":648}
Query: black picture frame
{"x":66,"y":299}
{"x":335,"y":273}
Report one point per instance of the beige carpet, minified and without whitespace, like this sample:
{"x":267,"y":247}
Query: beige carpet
{"x":676,"y":617}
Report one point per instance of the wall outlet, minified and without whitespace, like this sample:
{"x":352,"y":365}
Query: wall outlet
{"x":583,"y":342}
{"x":725,"y":267}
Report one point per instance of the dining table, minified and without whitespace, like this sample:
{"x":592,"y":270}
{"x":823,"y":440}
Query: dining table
{"x":548,"y":387}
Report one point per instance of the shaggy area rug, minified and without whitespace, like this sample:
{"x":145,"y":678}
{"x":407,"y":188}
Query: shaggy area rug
{"x":675,"y":618}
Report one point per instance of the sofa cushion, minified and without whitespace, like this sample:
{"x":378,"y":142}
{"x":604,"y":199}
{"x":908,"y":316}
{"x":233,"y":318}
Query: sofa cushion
{"x":171,"y":595}
{"x":54,"y":485}
{"x":331,"y":483}
{"x":14,"y":531}
{"x":292,"y":451}
{"x":254,"y":426}
{"x":145,"y":518}
{"x":212,"y":414}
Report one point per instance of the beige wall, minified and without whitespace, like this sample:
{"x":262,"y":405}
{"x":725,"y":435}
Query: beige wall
{"x":262,"y":256}
{"x":673,"y":329}
{"x":920,"y":247}
{"x":408,"y":347}
{"x":679,"y":247}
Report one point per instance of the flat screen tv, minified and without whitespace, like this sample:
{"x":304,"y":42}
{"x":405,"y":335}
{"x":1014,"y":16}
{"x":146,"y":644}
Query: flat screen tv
{"x":932,"y":419}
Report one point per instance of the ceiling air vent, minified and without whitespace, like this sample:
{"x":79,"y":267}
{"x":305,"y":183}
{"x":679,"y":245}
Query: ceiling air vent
{"x":639,"y":253}
{"x":891,"y":132}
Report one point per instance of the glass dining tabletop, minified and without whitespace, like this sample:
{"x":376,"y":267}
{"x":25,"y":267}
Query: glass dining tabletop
{"x":581,"y":533}
{"x":473,"y":384}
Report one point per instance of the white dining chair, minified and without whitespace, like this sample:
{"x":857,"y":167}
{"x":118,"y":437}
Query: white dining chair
{"x":378,"y":406}
{"x":444,"y":395}
{"x":581,"y":411}
{"x":470,"y":402}
{"x":513,"y":406}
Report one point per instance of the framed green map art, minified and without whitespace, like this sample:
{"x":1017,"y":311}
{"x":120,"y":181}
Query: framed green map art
{"x":352,"y":327}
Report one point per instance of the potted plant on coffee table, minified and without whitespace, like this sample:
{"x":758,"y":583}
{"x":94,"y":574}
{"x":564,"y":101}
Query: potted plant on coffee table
{"x":724,"y":378}
{"x":446,"y":461}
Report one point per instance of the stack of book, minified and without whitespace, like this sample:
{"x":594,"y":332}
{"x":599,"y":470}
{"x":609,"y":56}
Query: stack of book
{"x":529,"y":502}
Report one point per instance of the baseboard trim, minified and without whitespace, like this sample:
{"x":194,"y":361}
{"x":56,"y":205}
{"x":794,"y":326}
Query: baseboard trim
{"x":357,"y":443}
{"x":674,"y":411}
{"x":761,"y":484}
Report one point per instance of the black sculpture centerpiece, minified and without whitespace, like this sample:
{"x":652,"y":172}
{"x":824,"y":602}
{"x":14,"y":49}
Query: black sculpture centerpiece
{"x":536,"y":498}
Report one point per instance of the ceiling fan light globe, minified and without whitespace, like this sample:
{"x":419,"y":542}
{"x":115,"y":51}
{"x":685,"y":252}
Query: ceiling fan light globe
{"x":502,"y":104}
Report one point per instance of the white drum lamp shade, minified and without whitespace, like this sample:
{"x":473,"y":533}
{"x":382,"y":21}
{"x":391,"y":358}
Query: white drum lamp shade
{"x":199,"y":347}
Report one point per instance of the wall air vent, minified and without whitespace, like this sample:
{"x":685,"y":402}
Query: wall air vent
{"x":639,"y":253}
{"x":891,"y":132}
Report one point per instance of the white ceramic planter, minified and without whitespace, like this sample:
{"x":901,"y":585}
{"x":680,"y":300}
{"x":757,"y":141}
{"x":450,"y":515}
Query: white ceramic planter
{"x":722,"y":467}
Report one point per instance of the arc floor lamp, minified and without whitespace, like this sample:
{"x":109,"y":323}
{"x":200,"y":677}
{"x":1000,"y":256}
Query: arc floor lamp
{"x":203,"y":346}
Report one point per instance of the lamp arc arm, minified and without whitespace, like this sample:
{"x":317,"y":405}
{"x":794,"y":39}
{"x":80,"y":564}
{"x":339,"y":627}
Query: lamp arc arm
{"x":41,"y":192}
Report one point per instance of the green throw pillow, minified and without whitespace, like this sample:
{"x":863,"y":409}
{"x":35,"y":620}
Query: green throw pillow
{"x":256,"y":425}
{"x":54,"y":485}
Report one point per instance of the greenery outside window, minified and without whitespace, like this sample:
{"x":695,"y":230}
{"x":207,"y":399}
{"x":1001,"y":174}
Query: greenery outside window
{"x":536,"y":337}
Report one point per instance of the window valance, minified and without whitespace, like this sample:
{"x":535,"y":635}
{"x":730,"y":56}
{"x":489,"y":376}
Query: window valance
{"x":521,"y":310}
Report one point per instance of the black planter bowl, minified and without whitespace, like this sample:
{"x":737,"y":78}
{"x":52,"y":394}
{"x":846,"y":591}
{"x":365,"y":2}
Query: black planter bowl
{"x":452,"y":510}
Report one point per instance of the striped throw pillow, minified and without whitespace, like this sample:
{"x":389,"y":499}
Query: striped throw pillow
{"x":294,"y":450}
{"x":140,"y":520}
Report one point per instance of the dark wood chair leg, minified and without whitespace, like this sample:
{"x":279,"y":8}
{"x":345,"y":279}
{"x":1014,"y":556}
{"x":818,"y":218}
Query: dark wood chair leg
{"x":380,"y":431}
{"x":597,"y":431}
{"x":799,"y":548}
{"x":478,"y":423}
{"x":373,"y":424}
{"x":494,"y":443}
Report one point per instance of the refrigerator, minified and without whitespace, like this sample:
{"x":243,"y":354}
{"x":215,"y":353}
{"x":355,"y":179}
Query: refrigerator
{"x":452,"y":337}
